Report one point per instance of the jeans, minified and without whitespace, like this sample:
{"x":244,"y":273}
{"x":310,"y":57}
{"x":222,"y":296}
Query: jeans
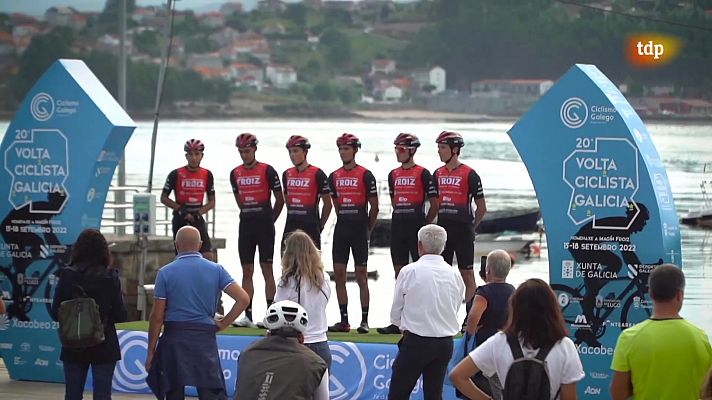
{"x":75,"y":377}
{"x":203,"y":394}
{"x":322,"y":350}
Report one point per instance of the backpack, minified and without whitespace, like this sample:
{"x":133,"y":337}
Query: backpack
{"x":527,"y":378}
{"x":80,"y":323}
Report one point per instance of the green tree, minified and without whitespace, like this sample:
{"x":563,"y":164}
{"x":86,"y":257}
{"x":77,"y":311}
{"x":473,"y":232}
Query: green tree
{"x":338,"y":47}
{"x":39,"y":55}
{"x":297,"y":13}
{"x":148,"y":42}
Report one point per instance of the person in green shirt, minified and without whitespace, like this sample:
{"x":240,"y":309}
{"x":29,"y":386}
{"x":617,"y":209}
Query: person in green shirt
{"x":664,"y":357}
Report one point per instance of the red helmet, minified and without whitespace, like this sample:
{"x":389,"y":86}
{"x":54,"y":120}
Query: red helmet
{"x":407,"y":140}
{"x":244,"y":140}
{"x":348,"y":139}
{"x":298,"y":141}
{"x":451,"y":138}
{"x":193,"y":144}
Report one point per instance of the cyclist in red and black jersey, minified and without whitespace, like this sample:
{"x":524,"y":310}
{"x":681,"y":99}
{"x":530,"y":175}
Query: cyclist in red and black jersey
{"x":191,"y":183}
{"x":253,"y":184}
{"x":304,"y":185}
{"x":458,"y":185}
{"x":353,"y":189}
{"x":410,"y":187}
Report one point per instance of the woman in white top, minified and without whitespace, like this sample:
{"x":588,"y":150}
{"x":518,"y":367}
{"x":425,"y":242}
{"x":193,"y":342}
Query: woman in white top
{"x":535,"y":318}
{"x":305,"y":282}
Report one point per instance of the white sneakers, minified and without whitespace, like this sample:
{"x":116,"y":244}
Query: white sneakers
{"x":244,"y":322}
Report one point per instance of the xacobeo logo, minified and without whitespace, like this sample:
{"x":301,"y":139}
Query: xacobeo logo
{"x":351,"y":361}
{"x":42,"y":106}
{"x":574,"y":112}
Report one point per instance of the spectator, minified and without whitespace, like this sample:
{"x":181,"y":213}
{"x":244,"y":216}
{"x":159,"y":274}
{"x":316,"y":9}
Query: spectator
{"x":707,"y":389}
{"x":536,"y":320}
{"x":305,"y":282}
{"x":186,"y":295}
{"x":89,"y":268}
{"x":279,"y":366}
{"x":664,"y":357}
{"x":427,"y":296}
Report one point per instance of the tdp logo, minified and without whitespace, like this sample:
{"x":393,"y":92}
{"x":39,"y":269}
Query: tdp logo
{"x":248,"y":180}
{"x":347,"y":182}
{"x":298,"y":182}
{"x":449,"y":180}
{"x":193,"y":183}
{"x":405,"y":181}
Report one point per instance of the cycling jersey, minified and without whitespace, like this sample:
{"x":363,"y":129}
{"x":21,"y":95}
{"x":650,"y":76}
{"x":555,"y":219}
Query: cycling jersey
{"x":351,"y":190}
{"x":409,"y":189}
{"x":190,"y":186}
{"x":253,"y":187}
{"x":302,"y":191}
{"x":457,"y":189}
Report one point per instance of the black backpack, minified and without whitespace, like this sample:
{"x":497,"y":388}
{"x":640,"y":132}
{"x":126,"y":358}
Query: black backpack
{"x":527,"y":378}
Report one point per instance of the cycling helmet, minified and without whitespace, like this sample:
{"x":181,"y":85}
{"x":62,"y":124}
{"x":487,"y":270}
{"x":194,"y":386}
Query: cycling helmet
{"x":348,"y":140}
{"x":193,"y":144}
{"x":451,"y":138}
{"x":407,"y":140}
{"x":244,"y":140}
{"x":298,"y":141}
{"x":286,"y":314}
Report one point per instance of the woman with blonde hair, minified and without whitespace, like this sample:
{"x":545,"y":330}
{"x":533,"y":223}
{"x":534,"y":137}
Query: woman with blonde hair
{"x":305,"y":282}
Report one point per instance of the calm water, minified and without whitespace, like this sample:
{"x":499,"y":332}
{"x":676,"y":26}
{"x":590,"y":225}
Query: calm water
{"x":683,"y":148}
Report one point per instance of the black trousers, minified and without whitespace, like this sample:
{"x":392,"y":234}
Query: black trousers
{"x":420,"y":355}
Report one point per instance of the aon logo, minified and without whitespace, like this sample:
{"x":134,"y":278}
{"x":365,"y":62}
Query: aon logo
{"x":592,"y":390}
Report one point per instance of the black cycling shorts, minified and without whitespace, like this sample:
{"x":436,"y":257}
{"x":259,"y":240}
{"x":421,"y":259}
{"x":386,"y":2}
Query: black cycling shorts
{"x":404,"y":241}
{"x":253,"y":234}
{"x":199,"y":223}
{"x":460,"y":242}
{"x":352,"y":236}
{"x":311,"y":229}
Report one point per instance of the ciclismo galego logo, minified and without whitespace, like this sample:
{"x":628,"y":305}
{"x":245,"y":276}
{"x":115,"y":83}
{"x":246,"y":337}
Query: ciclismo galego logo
{"x":42,"y":107}
{"x":348,"y":364}
{"x":574,"y":112}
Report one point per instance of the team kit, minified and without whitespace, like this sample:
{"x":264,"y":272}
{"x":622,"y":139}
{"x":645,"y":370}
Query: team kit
{"x":417,"y":198}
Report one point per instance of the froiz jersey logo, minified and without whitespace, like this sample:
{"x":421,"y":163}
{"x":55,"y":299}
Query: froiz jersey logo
{"x":352,"y":361}
{"x":347,"y":182}
{"x":449,"y":180}
{"x":405,"y":181}
{"x":42,"y":107}
{"x":298,"y":182}
{"x":248,"y":180}
{"x":574,"y":113}
{"x":192,"y":183}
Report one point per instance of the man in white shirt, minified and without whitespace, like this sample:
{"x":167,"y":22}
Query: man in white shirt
{"x":428,"y":294}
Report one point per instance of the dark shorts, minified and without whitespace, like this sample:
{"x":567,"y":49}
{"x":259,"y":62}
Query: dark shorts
{"x":254,"y":233}
{"x":311,"y":229}
{"x":460,"y":242}
{"x":404,"y":241}
{"x":350,"y":235}
{"x":179,"y":222}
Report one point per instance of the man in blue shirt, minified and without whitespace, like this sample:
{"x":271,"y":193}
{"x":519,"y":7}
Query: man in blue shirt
{"x":186,"y":297}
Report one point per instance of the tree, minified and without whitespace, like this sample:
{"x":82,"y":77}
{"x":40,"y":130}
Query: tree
{"x":40,"y":54}
{"x":148,"y":42}
{"x":297,"y":13}
{"x":338,"y":47}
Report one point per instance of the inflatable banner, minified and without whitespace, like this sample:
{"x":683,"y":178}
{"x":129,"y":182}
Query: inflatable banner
{"x":607,"y":208}
{"x":359,"y":370}
{"x":59,"y":153}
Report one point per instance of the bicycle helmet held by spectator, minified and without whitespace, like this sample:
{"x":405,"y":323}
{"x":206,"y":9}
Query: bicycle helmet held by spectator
{"x":450,"y":138}
{"x":193,"y":145}
{"x":245,"y":140}
{"x":407,"y":140}
{"x":298,"y":141}
{"x":348,"y":139}
{"x":286,"y":314}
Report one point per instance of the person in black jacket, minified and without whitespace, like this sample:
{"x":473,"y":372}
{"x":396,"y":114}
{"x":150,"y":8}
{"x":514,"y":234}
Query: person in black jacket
{"x":89,"y":268}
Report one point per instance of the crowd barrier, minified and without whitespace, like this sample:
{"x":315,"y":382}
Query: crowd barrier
{"x":359,"y":370}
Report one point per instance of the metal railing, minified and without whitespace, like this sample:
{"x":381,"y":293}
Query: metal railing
{"x":164,"y":215}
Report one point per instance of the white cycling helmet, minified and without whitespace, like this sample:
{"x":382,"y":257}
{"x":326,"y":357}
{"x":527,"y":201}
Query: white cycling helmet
{"x":286,"y":314}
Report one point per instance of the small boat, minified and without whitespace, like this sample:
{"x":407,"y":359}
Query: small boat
{"x":351,"y":275}
{"x":517,"y":220}
{"x":701,"y":217}
{"x":513,"y":244}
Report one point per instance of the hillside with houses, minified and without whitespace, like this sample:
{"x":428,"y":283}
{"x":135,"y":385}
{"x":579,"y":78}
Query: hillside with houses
{"x":318,"y":57}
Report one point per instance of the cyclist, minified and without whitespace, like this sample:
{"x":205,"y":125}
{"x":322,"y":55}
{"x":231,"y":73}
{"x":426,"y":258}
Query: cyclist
{"x":304,"y":185}
{"x":253,"y":183}
{"x":458,"y":185}
{"x":410,"y":187}
{"x":191,"y":183}
{"x":353,"y":189}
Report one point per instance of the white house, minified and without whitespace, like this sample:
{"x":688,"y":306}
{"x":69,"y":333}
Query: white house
{"x":385,"y":66}
{"x":281,"y":76}
{"x":529,"y":87}
{"x":392,"y":94}
{"x":435,"y":76}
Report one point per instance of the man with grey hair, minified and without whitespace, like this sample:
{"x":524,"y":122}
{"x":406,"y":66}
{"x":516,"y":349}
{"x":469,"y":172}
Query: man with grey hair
{"x":428,"y":294}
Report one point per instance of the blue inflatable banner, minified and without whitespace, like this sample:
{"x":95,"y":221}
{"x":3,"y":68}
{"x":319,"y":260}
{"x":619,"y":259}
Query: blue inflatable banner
{"x":607,"y":208}
{"x":359,"y":370}
{"x":60,"y":152}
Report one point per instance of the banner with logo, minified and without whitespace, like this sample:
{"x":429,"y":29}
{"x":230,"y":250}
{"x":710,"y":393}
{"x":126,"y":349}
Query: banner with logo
{"x":359,"y":370}
{"x":59,"y":156}
{"x":607,"y":208}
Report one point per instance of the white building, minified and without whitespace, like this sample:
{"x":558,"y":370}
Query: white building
{"x":281,"y":76}
{"x":435,"y":76}
{"x":527,"y":87}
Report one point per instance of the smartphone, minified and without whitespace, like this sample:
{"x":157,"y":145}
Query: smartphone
{"x":483,"y":265}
